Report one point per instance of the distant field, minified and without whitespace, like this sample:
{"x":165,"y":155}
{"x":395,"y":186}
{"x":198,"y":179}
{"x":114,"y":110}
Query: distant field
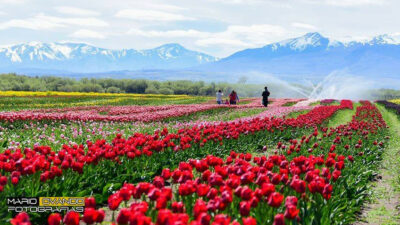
{"x":17,"y":100}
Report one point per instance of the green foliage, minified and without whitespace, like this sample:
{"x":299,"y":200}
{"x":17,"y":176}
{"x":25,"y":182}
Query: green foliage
{"x":13,"y":82}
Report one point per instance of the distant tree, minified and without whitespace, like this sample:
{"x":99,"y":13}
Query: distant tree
{"x":92,"y":88}
{"x":166,"y":91}
{"x":242,"y":80}
{"x":151,"y":90}
{"x":113,"y":90}
{"x":136,"y":86}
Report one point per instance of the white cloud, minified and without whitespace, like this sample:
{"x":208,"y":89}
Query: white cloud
{"x":150,"y":15}
{"x":162,"y":7}
{"x":238,"y":35}
{"x":76,"y":11}
{"x":348,"y":39}
{"x":169,"y":34}
{"x":84,"y":33}
{"x":304,"y":26}
{"x":354,"y":2}
{"x":348,"y":3}
{"x":30,"y":23}
{"x":12,"y":1}
{"x":238,"y":1}
{"x":222,"y":42}
{"x":234,"y":35}
{"x":79,"y":21}
{"x":43,"y":22}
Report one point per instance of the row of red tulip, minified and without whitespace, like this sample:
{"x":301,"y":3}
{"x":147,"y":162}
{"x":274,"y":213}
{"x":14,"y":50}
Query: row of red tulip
{"x":51,"y":163}
{"x":293,"y":187}
{"x":20,"y":164}
{"x":118,"y":113}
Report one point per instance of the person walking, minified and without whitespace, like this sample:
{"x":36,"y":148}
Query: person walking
{"x":265,"y":96}
{"x":219,"y":97}
{"x":233,"y":98}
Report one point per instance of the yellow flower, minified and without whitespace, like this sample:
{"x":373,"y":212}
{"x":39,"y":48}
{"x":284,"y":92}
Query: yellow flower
{"x":56,"y":93}
{"x":395,"y":101}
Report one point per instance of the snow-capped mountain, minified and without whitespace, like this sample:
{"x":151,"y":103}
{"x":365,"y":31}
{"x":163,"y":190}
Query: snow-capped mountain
{"x":385,"y":39}
{"x":311,"y":56}
{"x":83,"y":58}
{"x":314,"y":55}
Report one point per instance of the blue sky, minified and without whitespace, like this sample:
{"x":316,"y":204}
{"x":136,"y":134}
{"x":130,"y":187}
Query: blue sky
{"x":217,"y":27}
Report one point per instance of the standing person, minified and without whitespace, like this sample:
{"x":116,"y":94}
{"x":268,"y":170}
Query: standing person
{"x":265,"y":96}
{"x":219,"y":97}
{"x":233,"y":98}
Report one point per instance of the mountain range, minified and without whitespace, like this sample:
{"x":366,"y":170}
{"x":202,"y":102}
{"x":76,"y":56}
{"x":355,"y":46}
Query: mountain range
{"x":309,"y":56}
{"x":84,"y":58}
{"x":313,"y":55}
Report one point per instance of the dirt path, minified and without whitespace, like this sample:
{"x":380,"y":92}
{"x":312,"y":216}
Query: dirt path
{"x":383,"y":208}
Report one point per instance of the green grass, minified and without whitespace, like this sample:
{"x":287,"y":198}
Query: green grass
{"x":289,"y":103}
{"x":341,"y":117}
{"x":244,"y":102}
{"x":315,"y":103}
{"x":297,"y":113}
{"x":198,"y":115}
{"x":235,"y":114}
{"x":221,"y":114}
{"x":386,"y":191}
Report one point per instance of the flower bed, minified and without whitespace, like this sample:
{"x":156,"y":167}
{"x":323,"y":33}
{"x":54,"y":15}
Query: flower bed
{"x":318,"y":179}
{"x":391,"y":105}
{"x":39,"y":170}
{"x":117,"y":113}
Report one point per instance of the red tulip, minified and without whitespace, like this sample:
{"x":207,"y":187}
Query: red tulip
{"x":291,"y":212}
{"x":336,"y":175}
{"x":113,"y":201}
{"x":279,"y":219}
{"x":275,"y":199}
{"x":124,"y":193}
{"x":202,"y":189}
{"x":267,"y":189}
{"x":90,"y":215}
{"x":3,"y":180}
{"x":161,"y":203}
{"x":177,"y":207}
{"x":244,"y":208}
{"x":298,"y":185}
{"x":54,"y":219}
{"x":123,"y":216}
{"x":327,"y":191}
{"x":90,"y":202}
{"x":166,"y":173}
{"x":291,"y":200}
{"x":204,"y":219}
{"x":199,"y":207}
{"x":100,"y":216}
{"x":21,"y":219}
{"x":71,"y":218}
{"x":249,"y":221}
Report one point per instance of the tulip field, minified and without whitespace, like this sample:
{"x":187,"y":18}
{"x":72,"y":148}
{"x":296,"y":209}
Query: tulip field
{"x":166,"y":160}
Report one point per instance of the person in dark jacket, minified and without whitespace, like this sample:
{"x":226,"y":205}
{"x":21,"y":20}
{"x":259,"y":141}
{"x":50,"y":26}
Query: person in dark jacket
{"x":265,"y":96}
{"x":233,"y":98}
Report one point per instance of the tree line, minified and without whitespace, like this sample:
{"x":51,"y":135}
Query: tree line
{"x":14,"y":82}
